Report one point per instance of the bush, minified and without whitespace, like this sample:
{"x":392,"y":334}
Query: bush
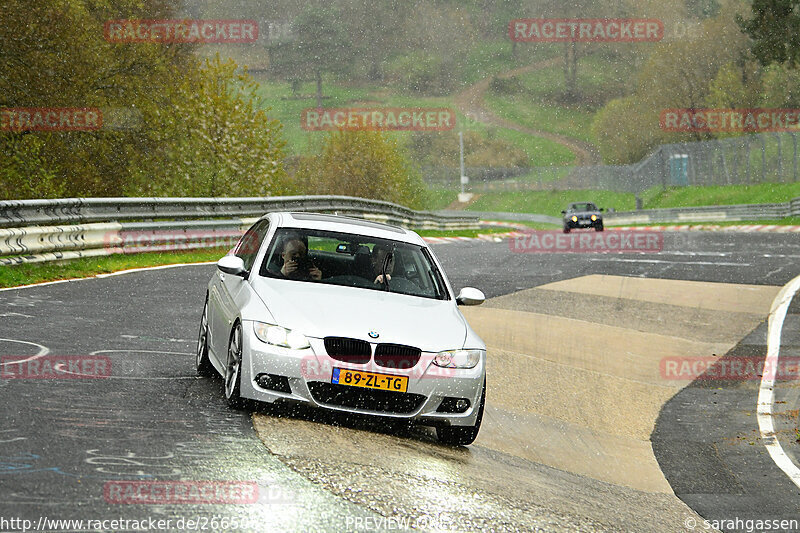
{"x":23,"y":171}
{"x":366,"y":164}
{"x":214,"y":141}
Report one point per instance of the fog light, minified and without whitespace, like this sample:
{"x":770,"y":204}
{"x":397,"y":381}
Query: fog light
{"x":453,"y":405}
{"x":274,"y":382}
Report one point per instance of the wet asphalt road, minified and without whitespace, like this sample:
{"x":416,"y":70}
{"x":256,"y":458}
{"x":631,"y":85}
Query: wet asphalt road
{"x":708,"y":444}
{"x":62,"y":441}
{"x":749,"y":258}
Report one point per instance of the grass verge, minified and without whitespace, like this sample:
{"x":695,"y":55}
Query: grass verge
{"x":28,"y":273}
{"x":549,"y":202}
{"x":763,"y":193}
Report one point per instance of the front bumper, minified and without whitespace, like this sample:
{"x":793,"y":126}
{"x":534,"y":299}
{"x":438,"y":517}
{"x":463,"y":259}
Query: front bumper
{"x":583,"y":223}
{"x":309,"y":375}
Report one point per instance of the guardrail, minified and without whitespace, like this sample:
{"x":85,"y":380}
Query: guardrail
{"x":516,"y":217}
{"x":48,"y":230}
{"x":732,"y":213}
{"x":18,"y":213}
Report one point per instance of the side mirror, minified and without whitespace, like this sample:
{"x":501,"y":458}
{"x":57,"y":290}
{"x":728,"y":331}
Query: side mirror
{"x":470,"y":296}
{"x":601,"y":209}
{"x":230,"y":264}
{"x":563,"y":212}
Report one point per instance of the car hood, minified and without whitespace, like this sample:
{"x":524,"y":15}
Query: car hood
{"x":320,"y":310}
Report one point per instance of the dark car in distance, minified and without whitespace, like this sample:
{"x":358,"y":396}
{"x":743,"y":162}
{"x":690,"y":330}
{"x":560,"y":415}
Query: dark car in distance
{"x":582,"y":215}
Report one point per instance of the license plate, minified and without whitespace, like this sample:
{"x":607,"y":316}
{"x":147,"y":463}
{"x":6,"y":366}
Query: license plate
{"x":369,"y":380}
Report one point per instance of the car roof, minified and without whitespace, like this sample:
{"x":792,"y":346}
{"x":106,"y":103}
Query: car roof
{"x":580,"y":203}
{"x":358,"y":226}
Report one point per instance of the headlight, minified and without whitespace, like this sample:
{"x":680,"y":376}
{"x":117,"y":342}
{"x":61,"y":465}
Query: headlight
{"x":594,"y":217}
{"x":278,"y":336}
{"x":458,"y":358}
{"x":574,"y":219}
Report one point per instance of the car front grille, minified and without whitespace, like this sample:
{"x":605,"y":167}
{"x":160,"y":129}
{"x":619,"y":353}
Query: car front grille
{"x":367,"y":399}
{"x":353,"y":351}
{"x":397,"y":356}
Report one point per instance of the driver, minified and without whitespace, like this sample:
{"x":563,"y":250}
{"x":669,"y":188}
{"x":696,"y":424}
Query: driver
{"x":379,"y":253}
{"x":296,"y":263}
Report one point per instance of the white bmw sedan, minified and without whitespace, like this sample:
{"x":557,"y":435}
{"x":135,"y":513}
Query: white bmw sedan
{"x":347,"y":315}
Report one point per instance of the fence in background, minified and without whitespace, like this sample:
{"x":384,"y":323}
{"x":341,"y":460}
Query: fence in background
{"x":747,"y":159}
{"x":715,"y":213}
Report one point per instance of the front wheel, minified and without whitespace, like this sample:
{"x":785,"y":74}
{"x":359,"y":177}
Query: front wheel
{"x":463,"y":435}
{"x":233,"y":369}
{"x":202,"y":362}
{"x":566,"y":229}
{"x":599,"y":227}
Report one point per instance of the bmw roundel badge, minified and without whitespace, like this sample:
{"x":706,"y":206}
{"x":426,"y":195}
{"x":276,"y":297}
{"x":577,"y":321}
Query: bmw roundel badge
{"x":373,"y":334}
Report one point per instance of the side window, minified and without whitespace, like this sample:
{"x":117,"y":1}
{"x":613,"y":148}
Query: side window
{"x":250,"y":242}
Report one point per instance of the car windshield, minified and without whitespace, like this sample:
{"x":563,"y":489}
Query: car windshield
{"x":583,"y":207}
{"x":352,"y":260}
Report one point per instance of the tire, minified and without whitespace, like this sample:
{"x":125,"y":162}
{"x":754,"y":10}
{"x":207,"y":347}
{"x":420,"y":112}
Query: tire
{"x":202,"y":362}
{"x":599,"y":227}
{"x":566,"y":229}
{"x":462,"y":435}
{"x":233,"y":369}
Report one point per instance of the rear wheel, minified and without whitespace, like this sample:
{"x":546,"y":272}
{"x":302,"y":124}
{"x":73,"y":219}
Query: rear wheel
{"x":463,"y":435}
{"x":202,"y":362}
{"x":233,"y":369}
